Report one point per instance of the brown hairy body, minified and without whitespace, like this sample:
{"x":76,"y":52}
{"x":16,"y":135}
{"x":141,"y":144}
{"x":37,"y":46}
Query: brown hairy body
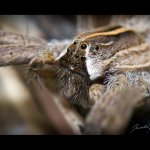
{"x":118,"y":55}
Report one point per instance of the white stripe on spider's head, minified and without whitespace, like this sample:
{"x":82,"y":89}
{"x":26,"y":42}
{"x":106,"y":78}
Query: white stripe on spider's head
{"x":92,"y":65}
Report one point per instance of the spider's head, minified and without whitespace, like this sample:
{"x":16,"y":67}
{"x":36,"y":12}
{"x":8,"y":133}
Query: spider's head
{"x":88,"y":57}
{"x":89,"y":52}
{"x":79,"y":65}
{"x":74,"y":59}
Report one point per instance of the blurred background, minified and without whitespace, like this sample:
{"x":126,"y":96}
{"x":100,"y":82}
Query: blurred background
{"x":52,"y":26}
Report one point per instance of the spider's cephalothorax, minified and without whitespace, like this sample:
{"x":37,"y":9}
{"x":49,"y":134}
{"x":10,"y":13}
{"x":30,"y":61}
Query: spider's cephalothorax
{"x":73,"y":75}
{"x":89,"y":57}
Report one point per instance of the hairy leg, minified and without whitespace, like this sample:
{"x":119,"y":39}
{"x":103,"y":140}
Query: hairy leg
{"x":116,"y":83}
{"x":111,"y":114}
{"x":95,"y":92}
{"x":113,"y":109}
{"x":121,"y":81}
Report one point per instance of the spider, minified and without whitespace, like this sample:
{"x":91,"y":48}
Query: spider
{"x":95,"y":71}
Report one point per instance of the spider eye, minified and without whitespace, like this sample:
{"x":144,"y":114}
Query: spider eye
{"x":83,"y":46}
{"x":77,"y":56}
{"x":97,"y":47}
{"x":75,"y":42}
{"x":83,"y":58}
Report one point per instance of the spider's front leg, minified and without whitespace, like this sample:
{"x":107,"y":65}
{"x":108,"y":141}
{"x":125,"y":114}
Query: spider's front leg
{"x":47,"y":57}
{"x":111,"y":114}
{"x":121,"y":81}
{"x":38,"y":62}
{"x":95,"y":92}
{"x":115,"y":84}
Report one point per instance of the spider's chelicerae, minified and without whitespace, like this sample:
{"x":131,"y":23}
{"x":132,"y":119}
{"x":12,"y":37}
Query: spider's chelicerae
{"x":96,"y":66}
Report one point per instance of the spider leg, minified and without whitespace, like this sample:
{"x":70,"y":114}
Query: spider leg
{"x":37,"y":63}
{"x":116,"y":83}
{"x":111,"y":114}
{"x":95,"y":92}
{"x":142,"y":83}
